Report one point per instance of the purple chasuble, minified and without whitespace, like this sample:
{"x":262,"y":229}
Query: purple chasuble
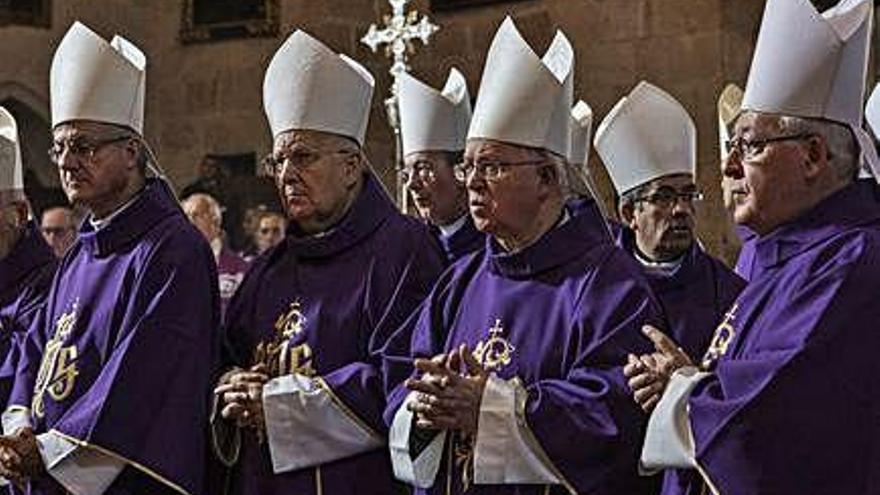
{"x":231,"y":269}
{"x":462,"y":242}
{"x":746,"y":260}
{"x":347,"y":290}
{"x":124,"y":356}
{"x":561,"y":316}
{"x":792,"y":405}
{"x":25,"y":275}
{"x":694,"y":297}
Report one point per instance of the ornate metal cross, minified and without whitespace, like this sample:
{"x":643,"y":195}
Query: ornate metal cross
{"x":400,"y":30}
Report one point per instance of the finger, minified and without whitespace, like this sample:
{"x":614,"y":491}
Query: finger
{"x":232,"y":411}
{"x":649,"y":361}
{"x":426,"y":388}
{"x":643,"y":394}
{"x":649,"y":404}
{"x":245,"y":377}
{"x":473,"y":366}
{"x":452,"y":404}
{"x":661,"y":341}
{"x":228,"y":387}
{"x":453,"y":362}
{"x":260,"y":368}
{"x":641,"y":380}
{"x":429,"y":366}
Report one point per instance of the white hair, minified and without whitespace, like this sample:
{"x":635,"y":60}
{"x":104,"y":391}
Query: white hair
{"x":213,"y":205}
{"x":843,"y":151}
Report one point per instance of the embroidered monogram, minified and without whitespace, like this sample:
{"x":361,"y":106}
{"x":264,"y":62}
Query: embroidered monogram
{"x":58,"y":372}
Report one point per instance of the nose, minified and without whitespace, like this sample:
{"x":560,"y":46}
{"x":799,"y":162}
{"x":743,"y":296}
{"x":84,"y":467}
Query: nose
{"x":475,"y":181}
{"x":731,"y":166}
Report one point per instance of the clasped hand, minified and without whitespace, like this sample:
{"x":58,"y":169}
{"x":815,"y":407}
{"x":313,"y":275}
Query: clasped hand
{"x":241,"y":396}
{"x":449,"y":391}
{"x":649,"y":374}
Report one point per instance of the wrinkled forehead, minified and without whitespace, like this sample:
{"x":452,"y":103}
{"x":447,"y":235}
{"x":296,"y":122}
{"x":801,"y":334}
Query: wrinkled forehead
{"x":313,"y":140}
{"x":490,"y":149}
{"x":87,"y":128}
{"x":752,"y":122}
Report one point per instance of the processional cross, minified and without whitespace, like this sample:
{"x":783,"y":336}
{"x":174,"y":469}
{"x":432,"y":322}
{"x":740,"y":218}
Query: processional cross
{"x":400,"y":30}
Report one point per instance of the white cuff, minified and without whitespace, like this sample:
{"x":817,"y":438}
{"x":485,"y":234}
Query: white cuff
{"x":669,"y":442}
{"x":421,"y":471}
{"x":79,"y":469}
{"x":506,"y":452}
{"x":308,"y":426}
{"x":15,"y":418}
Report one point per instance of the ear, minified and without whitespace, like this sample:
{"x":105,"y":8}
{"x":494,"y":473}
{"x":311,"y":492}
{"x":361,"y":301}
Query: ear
{"x":132,"y":149}
{"x":816,"y":157}
{"x":21,"y":210}
{"x":352,"y":168}
{"x":627,"y":214}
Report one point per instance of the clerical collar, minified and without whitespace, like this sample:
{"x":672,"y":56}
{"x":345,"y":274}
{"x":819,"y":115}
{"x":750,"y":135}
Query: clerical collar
{"x":450,"y":229}
{"x":564,"y":217}
{"x":98,"y":224}
{"x":658,"y":267}
{"x":217,"y":247}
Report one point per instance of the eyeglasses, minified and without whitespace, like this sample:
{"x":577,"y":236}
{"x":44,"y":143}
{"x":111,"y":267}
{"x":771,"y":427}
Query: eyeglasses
{"x":750,"y":149}
{"x":668,"y":197}
{"x":424,"y":170}
{"x":82,"y":147}
{"x":300,"y":160}
{"x":491,"y":171}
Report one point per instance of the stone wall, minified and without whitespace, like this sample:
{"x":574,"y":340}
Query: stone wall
{"x":206,"y":98}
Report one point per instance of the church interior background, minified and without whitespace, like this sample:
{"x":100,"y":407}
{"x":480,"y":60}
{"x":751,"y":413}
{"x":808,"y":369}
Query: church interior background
{"x":207,"y":59}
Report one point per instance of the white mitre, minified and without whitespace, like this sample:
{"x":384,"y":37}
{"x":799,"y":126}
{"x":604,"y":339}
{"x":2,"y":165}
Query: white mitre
{"x":432,"y":120}
{"x":94,"y":80}
{"x":308,"y":86}
{"x":729,"y":104}
{"x":11,"y":174}
{"x":647,"y":135}
{"x":524,"y":99}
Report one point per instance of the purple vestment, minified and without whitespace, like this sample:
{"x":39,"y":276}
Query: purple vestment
{"x":124,"y":355}
{"x":746,"y":259}
{"x":462,"y":242}
{"x":25,"y":275}
{"x":694,"y":297}
{"x":792,"y":406}
{"x":347,"y":291}
{"x":559,"y":315}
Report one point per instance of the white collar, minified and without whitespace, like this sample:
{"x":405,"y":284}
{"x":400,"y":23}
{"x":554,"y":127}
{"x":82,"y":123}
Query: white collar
{"x":658,"y":267}
{"x":99,"y":224}
{"x":450,"y":229}
{"x":216,"y":247}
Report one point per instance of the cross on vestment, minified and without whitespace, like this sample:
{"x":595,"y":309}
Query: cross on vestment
{"x":400,"y":30}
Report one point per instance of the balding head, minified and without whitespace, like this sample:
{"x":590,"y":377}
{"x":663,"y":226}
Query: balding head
{"x":205,"y":213}
{"x":59,"y":228}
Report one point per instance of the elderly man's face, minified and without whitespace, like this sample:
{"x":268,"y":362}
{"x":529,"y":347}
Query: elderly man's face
{"x":58,"y":229}
{"x":201,"y":214}
{"x":768,"y":186}
{"x":314,"y":173}
{"x":505,"y":189}
{"x":13,"y":219}
{"x":663,"y":216}
{"x":95,"y":161}
{"x":438,"y":196}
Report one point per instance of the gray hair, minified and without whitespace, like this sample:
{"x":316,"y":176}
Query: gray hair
{"x":213,"y":205}
{"x":843,"y":151}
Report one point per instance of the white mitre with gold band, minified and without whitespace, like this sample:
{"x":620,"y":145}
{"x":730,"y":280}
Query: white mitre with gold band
{"x":308,"y":86}
{"x":647,"y":135}
{"x":94,"y":80}
{"x":524,"y":99}
{"x":11,"y":173}
{"x":813,"y":65}
{"x":432,"y":120}
{"x":581,"y":134}
{"x":729,"y":104}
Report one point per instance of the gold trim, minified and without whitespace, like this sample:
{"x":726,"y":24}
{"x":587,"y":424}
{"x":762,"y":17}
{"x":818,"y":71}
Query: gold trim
{"x":535,"y":444}
{"x":124,"y":459}
{"x":346,"y":410}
